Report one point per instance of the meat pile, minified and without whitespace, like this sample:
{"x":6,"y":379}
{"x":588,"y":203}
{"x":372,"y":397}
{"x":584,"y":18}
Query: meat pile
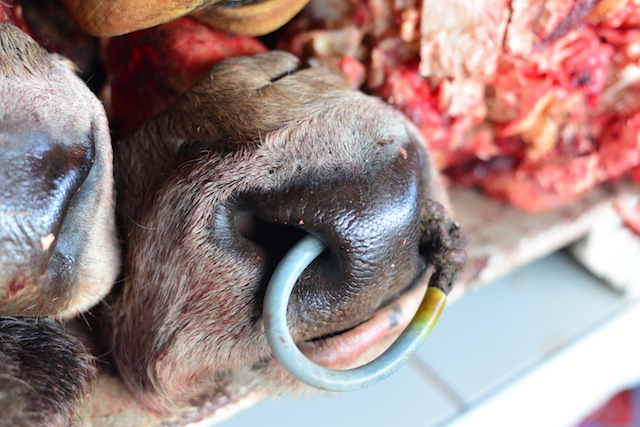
{"x":534,"y":102}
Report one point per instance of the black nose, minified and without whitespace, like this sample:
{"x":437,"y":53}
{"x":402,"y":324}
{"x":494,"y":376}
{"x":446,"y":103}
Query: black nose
{"x":39,"y":179}
{"x":370,"y":221}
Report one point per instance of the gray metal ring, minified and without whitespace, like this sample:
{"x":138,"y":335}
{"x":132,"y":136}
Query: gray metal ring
{"x":292,"y":359}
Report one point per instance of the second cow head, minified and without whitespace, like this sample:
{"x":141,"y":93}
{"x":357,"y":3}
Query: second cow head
{"x":213,"y":192}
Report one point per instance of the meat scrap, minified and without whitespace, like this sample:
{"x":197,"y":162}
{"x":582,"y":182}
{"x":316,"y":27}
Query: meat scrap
{"x":11,"y":13}
{"x":534,"y":102}
{"x":147,"y":70}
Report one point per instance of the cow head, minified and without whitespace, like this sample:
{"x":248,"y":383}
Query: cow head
{"x":216,"y":189}
{"x":58,"y":248}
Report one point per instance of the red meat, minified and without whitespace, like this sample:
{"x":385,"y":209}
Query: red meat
{"x":11,"y":13}
{"x":148,"y":69}
{"x":534,"y":102}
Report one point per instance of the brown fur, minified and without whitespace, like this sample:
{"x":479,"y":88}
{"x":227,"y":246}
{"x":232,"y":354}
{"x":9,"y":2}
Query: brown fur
{"x":190,"y":309}
{"x":45,"y":373}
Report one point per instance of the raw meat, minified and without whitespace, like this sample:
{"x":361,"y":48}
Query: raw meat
{"x":148,"y":69}
{"x":534,"y":102}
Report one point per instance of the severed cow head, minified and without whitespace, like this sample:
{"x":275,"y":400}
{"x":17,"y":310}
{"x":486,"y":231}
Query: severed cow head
{"x":216,"y":189}
{"x":58,"y":247}
{"x":58,"y":251}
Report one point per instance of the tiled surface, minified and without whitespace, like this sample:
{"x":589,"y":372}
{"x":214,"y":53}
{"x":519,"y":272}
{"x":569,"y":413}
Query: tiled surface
{"x":560,"y":390}
{"x":487,"y":337}
{"x":483,"y":342}
{"x":404,"y":397}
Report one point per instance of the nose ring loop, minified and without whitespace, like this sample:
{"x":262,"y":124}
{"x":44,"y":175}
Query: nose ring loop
{"x":292,"y":359}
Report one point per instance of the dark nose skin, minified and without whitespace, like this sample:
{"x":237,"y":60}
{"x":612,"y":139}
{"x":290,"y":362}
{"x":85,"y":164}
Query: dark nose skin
{"x":39,"y":178}
{"x":370,"y":222}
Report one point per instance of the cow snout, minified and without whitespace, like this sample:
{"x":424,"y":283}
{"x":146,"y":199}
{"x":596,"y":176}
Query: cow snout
{"x":370,"y":223}
{"x":216,"y":190}
{"x":40,"y":182}
{"x":58,"y":248}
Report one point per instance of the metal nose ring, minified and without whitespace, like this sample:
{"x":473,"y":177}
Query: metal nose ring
{"x":291,"y":358}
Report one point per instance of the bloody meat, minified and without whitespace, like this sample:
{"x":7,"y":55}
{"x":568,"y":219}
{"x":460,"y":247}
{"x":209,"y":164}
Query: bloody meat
{"x":534,"y":102}
{"x":148,"y":69}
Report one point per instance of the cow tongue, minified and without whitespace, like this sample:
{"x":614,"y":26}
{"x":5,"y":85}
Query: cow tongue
{"x":368,"y":340}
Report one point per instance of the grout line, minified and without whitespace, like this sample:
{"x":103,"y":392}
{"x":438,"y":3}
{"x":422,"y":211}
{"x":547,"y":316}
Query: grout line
{"x":434,"y":379}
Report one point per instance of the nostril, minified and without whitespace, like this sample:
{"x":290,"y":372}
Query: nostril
{"x":40,"y":178}
{"x":370,"y":223}
{"x":245,"y":223}
{"x":40,"y":181}
{"x":273,"y":239}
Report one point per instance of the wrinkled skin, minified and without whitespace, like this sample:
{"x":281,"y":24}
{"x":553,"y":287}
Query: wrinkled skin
{"x":214,"y":190}
{"x":58,"y":253}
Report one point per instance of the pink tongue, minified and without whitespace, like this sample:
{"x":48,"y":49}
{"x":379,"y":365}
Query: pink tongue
{"x":368,"y":340}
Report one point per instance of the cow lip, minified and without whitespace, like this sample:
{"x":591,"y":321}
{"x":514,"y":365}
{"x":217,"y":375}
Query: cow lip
{"x":369,"y":339}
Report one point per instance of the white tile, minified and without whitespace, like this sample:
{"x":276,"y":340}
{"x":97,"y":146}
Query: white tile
{"x":569,"y":385}
{"x":402,"y":400}
{"x":497,"y":332}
